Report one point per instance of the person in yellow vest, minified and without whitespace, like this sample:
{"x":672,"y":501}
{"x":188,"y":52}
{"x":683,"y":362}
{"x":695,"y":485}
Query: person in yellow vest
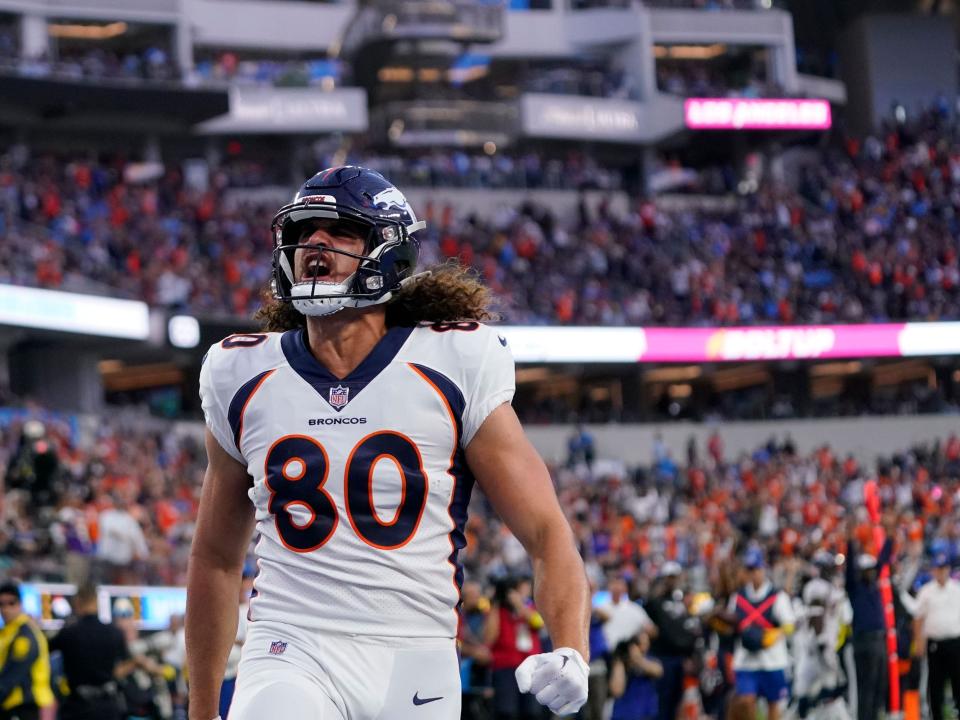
{"x":24,"y":661}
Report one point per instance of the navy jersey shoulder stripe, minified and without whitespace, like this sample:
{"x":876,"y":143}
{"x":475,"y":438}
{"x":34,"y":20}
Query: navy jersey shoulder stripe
{"x":462,"y":477}
{"x":239,"y":402}
{"x":459,"y":503}
{"x":451,"y":393}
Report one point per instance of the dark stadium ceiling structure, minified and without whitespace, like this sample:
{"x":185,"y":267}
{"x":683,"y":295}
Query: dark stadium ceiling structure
{"x":57,"y":102}
{"x":818,"y":22}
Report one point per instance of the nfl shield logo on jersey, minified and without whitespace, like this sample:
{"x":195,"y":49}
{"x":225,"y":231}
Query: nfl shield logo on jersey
{"x":339,"y":396}
{"x":278,"y":647}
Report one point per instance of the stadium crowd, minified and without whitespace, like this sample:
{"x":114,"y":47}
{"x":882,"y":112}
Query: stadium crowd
{"x":869,"y":234}
{"x":710,"y":4}
{"x":689,"y":79}
{"x":671,"y":4}
{"x":229,"y":67}
{"x":151,"y":64}
{"x":596,"y":81}
{"x":666,"y":547}
{"x":100,"y":504}
{"x":575,"y":171}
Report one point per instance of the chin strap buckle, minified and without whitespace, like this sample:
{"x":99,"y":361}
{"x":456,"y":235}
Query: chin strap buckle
{"x":419,"y":225}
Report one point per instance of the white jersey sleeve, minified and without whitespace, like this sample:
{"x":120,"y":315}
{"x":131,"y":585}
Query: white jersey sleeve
{"x":231,"y":372}
{"x":214,"y":410}
{"x":491,"y":385}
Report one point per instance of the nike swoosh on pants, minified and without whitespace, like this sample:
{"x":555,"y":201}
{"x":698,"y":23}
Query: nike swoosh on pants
{"x":423,"y":701}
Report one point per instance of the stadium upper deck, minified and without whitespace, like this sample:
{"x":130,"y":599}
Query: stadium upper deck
{"x":545,"y":69}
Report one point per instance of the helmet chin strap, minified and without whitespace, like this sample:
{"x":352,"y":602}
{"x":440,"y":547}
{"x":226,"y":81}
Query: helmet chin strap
{"x":318,"y":307}
{"x":313,"y":307}
{"x":321,"y":307}
{"x":415,"y":278}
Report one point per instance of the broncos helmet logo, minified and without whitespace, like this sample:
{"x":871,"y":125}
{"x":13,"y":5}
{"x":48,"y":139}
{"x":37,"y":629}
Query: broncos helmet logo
{"x":393,"y":198}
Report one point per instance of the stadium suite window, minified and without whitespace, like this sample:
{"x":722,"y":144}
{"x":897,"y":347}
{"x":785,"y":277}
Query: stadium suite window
{"x":591,"y":4}
{"x":531,"y":4}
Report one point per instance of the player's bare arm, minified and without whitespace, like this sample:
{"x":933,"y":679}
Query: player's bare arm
{"x":515,"y":479}
{"x":224,"y":528}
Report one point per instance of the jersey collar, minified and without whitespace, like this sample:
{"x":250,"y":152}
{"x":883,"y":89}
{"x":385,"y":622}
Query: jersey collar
{"x":302,"y":361}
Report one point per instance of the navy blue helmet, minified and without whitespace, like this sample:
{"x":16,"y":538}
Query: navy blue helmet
{"x":365,"y":202}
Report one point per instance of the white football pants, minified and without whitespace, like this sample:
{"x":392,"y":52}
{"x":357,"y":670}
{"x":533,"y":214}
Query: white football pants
{"x":287,"y":675}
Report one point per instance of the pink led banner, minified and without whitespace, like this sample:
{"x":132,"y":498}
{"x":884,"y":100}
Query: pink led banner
{"x":545,"y":344}
{"x":756,"y":114}
{"x":771,"y":343}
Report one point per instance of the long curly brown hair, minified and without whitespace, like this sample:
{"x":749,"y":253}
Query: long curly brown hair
{"x":448,"y":293}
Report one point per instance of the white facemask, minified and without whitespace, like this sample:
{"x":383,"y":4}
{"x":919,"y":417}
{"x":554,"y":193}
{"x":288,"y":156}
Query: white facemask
{"x":319,"y":307}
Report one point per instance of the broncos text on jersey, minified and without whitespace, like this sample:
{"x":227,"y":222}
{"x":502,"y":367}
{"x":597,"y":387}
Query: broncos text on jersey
{"x":359,"y":483}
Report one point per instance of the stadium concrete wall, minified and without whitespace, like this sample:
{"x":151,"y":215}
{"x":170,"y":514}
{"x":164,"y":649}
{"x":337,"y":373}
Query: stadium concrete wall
{"x":275,"y":24}
{"x":887,"y":60}
{"x":865,"y":438}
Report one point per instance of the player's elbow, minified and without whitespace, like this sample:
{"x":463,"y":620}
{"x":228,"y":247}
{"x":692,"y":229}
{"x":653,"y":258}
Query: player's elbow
{"x":206,"y":557}
{"x":550,"y":536}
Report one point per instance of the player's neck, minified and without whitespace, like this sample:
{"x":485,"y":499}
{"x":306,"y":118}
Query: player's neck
{"x":341,"y":341}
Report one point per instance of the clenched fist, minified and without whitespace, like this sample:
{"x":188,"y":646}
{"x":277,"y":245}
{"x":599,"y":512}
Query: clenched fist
{"x":558,"y":679}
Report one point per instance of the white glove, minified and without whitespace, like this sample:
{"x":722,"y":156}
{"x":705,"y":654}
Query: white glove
{"x":558,"y":679}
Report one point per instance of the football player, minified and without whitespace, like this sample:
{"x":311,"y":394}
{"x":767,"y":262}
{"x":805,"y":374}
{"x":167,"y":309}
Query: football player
{"x":349,"y":433}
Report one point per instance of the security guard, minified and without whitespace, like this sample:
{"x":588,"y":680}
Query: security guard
{"x":937,"y":627}
{"x":24,"y":661}
{"x":94,"y":656}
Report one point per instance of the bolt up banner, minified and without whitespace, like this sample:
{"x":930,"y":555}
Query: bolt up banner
{"x":542,"y":344}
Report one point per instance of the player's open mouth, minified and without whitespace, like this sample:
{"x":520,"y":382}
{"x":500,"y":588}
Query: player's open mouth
{"x":316,"y":269}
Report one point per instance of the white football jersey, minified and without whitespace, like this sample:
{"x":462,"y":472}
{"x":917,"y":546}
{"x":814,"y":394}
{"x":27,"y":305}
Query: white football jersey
{"x":360,"y":483}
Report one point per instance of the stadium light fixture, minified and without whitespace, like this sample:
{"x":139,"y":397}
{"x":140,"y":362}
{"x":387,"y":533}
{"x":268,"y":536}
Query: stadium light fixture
{"x":395,"y":130}
{"x":674,"y":374}
{"x":827,"y":386}
{"x":73,"y":312}
{"x":689,"y":52}
{"x":429,"y":75}
{"x":536,"y":374}
{"x":837,"y":368}
{"x":87,"y":32}
{"x":183,"y":331}
{"x":109,"y":366}
{"x":395,"y":75}
{"x":680,"y":391}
